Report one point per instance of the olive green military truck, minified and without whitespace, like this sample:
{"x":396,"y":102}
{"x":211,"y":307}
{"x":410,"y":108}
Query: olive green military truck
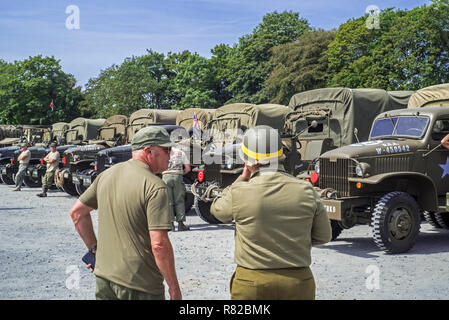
{"x":387,"y":181}
{"x":220,"y":164}
{"x":328,"y":118}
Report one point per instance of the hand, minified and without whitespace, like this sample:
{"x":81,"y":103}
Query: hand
{"x":89,"y":266}
{"x":246,"y":172}
{"x":175,"y":293}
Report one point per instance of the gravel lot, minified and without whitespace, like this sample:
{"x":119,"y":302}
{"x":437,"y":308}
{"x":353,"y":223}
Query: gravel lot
{"x":40,"y":257}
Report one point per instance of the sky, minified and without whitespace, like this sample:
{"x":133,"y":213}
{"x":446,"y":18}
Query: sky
{"x":109,"y":30}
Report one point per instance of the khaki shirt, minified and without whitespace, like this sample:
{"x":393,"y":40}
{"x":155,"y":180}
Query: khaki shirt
{"x":131,"y":200}
{"x":177,"y":160}
{"x":54,"y":165}
{"x":27,"y":158}
{"x":278,"y":218}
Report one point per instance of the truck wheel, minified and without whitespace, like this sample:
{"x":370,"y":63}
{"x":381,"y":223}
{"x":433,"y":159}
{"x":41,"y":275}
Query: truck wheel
{"x":69,"y":187}
{"x":442,"y":219}
{"x":31,"y":182}
{"x":396,"y":222}
{"x":202,"y":209}
{"x":7,"y":179}
{"x":336,"y":229}
{"x":80,"y":188}
{"x":431,"y":219}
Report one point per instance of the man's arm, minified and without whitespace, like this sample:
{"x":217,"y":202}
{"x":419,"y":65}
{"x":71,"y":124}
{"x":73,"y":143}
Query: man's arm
{"x":165,"y":260}
{"x":80,"y":214}
{"x":445,"y":141}
{"x":321,"y":227}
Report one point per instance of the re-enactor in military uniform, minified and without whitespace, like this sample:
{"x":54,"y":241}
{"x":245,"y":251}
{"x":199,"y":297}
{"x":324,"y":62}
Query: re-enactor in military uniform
{"x":52,"y":160}
{"x":24,"y":160}
{"x":133,"y":253}
{"x":179,"y":165}
{"x":278,"y":218}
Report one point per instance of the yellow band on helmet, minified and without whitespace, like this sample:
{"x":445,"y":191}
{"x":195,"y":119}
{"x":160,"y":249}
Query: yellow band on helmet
{"x":261,"y":156}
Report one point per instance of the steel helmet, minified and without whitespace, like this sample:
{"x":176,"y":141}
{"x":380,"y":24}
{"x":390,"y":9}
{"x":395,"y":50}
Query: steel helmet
{"x":261,"y":145}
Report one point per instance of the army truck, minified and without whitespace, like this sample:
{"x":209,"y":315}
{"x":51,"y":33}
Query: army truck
{"x":9,"y":170}
{"x":143,"y":117}
{"x":328,"y":118}
{"x":34,"y":135}
{"x":9,"y":135}
{"x":80,"y":131}
{"x":221,"y":141}
{"x":387,"y":181}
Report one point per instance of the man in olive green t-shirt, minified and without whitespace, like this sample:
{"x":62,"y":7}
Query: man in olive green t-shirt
{"x":24,"y":160}
{"x":278,"y":218}
{"x":133,"y":254}
{"x":52,"y":159}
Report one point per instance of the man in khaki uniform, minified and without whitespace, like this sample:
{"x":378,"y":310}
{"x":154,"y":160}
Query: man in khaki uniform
{"x":52,"y":160}
{"x":24,"y":160}
{"x":134,"y":253}
{"x":179,"y":165}
{"x":278,"y":218}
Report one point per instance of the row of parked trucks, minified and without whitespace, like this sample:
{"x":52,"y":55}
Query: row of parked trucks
{"x":374,"y":156}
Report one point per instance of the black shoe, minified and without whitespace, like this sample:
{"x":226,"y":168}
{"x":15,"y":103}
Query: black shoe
{"x":42,"y":195}
{"x":182,"y":227}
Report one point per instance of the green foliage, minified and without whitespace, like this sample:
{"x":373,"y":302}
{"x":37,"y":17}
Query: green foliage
{"x":27,"y":88}
{"x":299,"y":66}
{"x":139,"y":82}
{"x":248,"y":65}
{"x":408,"y":52}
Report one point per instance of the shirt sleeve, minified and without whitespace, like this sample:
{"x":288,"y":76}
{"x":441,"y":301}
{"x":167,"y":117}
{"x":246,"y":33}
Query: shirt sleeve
{"x":158,"y":210}
{"x":321,"y":227}
{"x":221,"y":207}
{"x":89,"y":197}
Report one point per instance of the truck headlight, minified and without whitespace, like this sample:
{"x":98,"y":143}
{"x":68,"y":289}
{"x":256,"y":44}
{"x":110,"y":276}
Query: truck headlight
{"x":362,"y":169}
{"x":317,"y":167}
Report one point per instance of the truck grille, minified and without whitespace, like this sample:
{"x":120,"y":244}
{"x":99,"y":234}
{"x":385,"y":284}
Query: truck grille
{"x":335,"y":175}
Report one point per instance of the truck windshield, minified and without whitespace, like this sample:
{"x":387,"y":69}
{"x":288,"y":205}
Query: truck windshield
{"x":409,"y":126}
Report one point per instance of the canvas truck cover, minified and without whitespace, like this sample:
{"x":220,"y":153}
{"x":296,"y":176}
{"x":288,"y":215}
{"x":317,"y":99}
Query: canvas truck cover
{"x":231,"y":118}
{"x":339,"y":110}
{"x":9,"y":131}
{"x":113,"y":131}
{"x":142,"y":117}
{"x":185,"y":117}
{"x":432,"y":96}
{"x":82,"y":129}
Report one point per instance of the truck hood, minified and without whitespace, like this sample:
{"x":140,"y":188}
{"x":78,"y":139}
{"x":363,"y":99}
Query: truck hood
{"x":373,"y":148}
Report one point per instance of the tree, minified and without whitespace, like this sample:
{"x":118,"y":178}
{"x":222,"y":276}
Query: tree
{"x":298,"y":66}
{"x":248,"y":64}
{"x":28,"y":87}
{"x":139,"y":82}
{"x":408,"y":52}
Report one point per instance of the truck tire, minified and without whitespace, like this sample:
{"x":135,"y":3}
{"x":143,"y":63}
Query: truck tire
{"x":80,"y":188}
{"x":396,"y":222}
{"x":7,"y":179}
{"x":431,"y":219}
{"x":31,"y":182}
{"x":442,"y":219}
{"x":336,"y":229}
{"x":69,"y":187}
{"x":202,"y":209}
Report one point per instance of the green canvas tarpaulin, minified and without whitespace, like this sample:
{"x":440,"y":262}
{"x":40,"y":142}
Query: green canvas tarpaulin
{"x":113,"y":132}
{"x":185,"y":117}
{"x":432,"y":96}
{"x":142,"y":117}
{"x":339,"y":111}
{"x":229,"y":119}
{"x":82,"y":130}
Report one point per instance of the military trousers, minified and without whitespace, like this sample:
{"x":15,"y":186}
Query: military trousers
{"x":47,"y":179}
{"x":273,"y":284}
{"x":20,"y":175}
{"x":108,"y":290}
{"x":176,"y":194}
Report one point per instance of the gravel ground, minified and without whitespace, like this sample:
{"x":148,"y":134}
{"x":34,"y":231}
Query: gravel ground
{"x":40,"y":258}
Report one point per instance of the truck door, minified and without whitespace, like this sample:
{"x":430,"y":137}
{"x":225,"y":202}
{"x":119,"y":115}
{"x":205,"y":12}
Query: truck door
{"x":438,"y":160}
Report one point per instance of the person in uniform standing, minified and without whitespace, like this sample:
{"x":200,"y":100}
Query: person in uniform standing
{"x":24,"y":160}
{"x":52,"y":160}
{"x":179,"y":165}
{"x":133,"y":254}
{"x":278,"y":218}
